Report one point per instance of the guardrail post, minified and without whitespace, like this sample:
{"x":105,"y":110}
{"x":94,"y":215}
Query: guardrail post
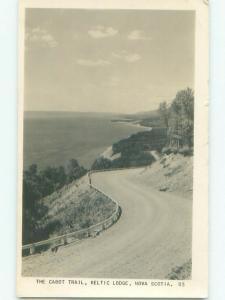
{"x":32,"y":249}
{"x":92,"y":231}
{"x":65,"y":241}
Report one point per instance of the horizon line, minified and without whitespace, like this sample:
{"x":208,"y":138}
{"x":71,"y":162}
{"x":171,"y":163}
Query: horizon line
{"x":77,"y":111}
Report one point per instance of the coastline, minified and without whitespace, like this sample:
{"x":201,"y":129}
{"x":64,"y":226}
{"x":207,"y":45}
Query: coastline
{"x":50,"y":141}
{"x":133,"y":124}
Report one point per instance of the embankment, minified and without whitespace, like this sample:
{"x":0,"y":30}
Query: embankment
{"x":77,"y":211}
{"x":171,"y":173}
{"x":134,"y":151}
{"x":152,"y":237}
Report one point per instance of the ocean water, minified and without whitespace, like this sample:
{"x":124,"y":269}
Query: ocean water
{"x":50,"y":139}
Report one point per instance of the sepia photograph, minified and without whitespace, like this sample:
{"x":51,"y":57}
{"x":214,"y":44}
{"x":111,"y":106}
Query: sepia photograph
{"x":108,"y":145}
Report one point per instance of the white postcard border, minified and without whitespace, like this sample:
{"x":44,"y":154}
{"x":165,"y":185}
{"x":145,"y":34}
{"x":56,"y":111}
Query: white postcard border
{"x":197,"y":287}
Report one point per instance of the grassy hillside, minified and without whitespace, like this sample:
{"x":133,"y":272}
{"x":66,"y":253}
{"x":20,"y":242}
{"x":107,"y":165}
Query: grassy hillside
{"x":59,"y":200}
{"x":75,"y":207}
{"x":38,"y":184}
{"x":171,"y":173}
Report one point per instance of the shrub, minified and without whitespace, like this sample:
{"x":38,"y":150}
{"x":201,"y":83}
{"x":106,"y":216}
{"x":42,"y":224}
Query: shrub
{"x":38,"y":184}
{"x":186,"y":151}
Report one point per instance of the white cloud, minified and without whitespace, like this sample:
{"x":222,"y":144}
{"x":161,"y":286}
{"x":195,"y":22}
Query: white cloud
{"x":99,"y":32}
{"x":126,"y":56}
{"x":137,"y":35}
{"x":133,"y":57}
{"x":93,"y":63}
{"x":41,"y":36}
{"x":113,"y":81}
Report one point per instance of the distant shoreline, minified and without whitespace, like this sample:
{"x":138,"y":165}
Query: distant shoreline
{"x":50,"y":140}
{"x":131,"y":123}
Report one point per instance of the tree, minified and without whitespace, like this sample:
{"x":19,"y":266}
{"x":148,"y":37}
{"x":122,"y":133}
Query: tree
{"x":182,"y":109}
{"x":74,"y":170}
{"x":33,"y":209}
{"x":188,"y":103}
{"x":38,"y":184}
{"x":179,"y":116}
{"x":164,"y":113}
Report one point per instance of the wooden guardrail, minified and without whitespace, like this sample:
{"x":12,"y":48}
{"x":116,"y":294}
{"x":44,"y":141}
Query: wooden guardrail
{"x":118,"y":169}
{"x":93,"y":230}
{"x":76,"y":235}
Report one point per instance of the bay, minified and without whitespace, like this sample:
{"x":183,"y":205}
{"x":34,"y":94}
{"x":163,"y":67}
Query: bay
{"x":52,"y":138}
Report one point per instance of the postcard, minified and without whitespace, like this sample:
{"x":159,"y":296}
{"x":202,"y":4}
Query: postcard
{"x":113,"y":149}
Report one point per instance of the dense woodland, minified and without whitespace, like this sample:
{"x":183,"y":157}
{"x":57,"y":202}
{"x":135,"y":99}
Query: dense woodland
{"x":172,"y":131}
{"x":38,"y":184}
{"x":135,"y":150}
{"x":178,"y":118}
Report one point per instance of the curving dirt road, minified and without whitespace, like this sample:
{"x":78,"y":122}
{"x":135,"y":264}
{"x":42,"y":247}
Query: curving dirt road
{"x":152,"y":236}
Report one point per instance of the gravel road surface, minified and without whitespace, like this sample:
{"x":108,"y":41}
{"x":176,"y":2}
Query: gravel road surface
{"x":152,"y":236}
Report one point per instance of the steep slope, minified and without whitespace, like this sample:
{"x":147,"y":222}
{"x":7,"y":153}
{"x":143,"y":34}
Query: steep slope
{"x":152,"y":237}
{"x":171,"y":173}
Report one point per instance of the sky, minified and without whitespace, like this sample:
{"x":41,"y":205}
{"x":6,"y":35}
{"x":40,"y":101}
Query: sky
{"x":106,"y":60}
